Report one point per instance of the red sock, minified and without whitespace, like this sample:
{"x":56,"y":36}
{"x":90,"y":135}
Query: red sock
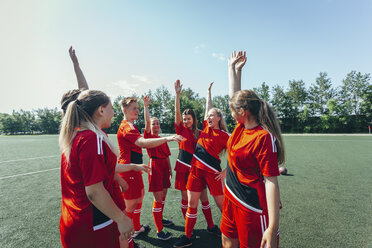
{"x":207,"y":213}
{"x":130,"y":243}
{"x":137,"y":217}
{"x":184,"y":207}
{"x":190,"y":221}
{"x":157,"y":213}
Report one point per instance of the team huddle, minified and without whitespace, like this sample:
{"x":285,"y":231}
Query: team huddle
{"x":103,"y":190}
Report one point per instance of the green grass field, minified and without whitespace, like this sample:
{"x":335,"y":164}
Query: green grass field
{"x":327,"y":196}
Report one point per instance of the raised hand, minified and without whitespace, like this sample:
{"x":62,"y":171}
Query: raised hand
{"x":241,"y":61}
{"x":73,"y":55}
{"x":146,"y":101}
{"x":178,"y":86}
{"x":210,"y":86}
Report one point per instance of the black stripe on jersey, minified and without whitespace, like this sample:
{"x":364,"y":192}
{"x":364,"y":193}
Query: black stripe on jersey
{"x":136,"y":158}
{"x":99,"y":219}
{"x":205,"y":157}
{"x":244,"y":193}
{"x":184,"y":156}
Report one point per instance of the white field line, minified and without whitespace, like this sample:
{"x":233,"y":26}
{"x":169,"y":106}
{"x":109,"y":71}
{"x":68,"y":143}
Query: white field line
{"x":41,"y":171}
{"x":29,"y":173}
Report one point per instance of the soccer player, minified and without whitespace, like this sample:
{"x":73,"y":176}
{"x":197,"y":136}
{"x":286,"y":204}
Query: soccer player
{"x":160,"y":172}
{"x":250,"y":216}
{"x":89,"y":215}
{"x":131,"y":143}
{"x":206,"y":169}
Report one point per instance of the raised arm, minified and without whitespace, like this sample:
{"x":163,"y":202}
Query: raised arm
{"x":177,"y":107}
{"x":235,"y":65}
{"x":146,"y":103}
{"x":82,"y":82}
{"x":208,"y":103}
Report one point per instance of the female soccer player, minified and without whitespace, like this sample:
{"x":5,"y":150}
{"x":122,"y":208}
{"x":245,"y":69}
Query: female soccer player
{"x":250,"y":216}
{"x":131,"y":143}
{"x":160,"y":172}
{"x":206,"y":169}
{"x":87,"y":176}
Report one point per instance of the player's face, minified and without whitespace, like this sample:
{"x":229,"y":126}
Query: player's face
{"x":155,"y":126}
{"x":108,"y":113}
{"x":238,"y":117}
{"x":187,"y":121}
{"x":131,"y":112}
{"x":213,"y":119}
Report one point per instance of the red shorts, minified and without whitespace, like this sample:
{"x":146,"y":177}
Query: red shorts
{"x":159,"y":176}
{"x":135,"y":184}
{"x":198,"y":179}
{"x":181,"y":180}
{"x":238,"y":223}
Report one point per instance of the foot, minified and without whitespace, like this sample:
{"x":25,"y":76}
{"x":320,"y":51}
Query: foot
{"x":167,"y":222}
{"x":214,"y":230}
{"x":183,"y":241}
{"x":164,"y":235}
{"x":136,"y":245}
{"x":143,"y":229}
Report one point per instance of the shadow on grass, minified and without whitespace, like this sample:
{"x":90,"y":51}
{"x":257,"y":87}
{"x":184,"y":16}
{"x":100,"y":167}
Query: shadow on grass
{"x":288,"y":175}
{"x":203,"y":239}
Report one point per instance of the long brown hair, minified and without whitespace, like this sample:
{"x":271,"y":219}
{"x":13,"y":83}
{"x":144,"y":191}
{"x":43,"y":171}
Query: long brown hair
{"x":265,"y":115}
{"x":79,"y":117}
{"x":194,"y":121}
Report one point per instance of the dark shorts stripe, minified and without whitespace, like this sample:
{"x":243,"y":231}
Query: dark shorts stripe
{"x":136,"y":158}
{"x":208,"y":159}
{"x":245,"y":193}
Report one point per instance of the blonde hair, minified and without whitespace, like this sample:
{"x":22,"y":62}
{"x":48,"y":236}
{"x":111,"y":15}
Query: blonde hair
{"x":221,"y":124}
{"x":265,"y":115}
{"x":126,"y":101}
{"x":79,"y":117}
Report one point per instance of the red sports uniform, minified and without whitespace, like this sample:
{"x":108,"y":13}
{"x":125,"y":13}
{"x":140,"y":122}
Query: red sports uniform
{"x":130,"y":153}
{"x":183,"y":163}
{"x":159,"y":176}
{"x":81,"y":223}
{"x":206,"y":161}
{"x":252,"y":154}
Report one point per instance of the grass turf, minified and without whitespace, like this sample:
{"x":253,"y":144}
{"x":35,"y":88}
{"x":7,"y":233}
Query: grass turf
{"x":327,"y":199}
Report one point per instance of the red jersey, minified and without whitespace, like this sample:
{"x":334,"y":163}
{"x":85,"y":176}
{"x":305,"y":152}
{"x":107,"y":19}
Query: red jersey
{"x":210,"y":144}
{"x":161,"y":151}
{"x":91,"y":162}
{"x":187,"y":148}
{"x":252,"y":154}
{"x":127,"y":135}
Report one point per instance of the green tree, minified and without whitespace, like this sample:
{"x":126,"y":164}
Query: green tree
{"x":49,"y":120}
{"x":320,"y":93}
{"x":263,"y":92}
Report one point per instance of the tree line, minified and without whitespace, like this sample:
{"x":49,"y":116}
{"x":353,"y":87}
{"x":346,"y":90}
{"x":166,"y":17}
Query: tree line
{"x":321,"y":108}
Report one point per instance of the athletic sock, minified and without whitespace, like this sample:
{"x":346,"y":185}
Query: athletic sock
{"x":190,"y":221}
{"x":157,"y":213}
{"x":207,"y":213}
{"x":130,"y":243}
{"x":184,"y":208}
{"x":137,"y":217}
{"x":162,"y":203}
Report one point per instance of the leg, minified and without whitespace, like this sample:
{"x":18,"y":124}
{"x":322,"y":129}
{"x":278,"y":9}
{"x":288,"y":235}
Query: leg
{"x":219,"y":201}
{"x":206,"y":208}
{"x":184,"y":202}
{"x":229,"y":243}
{"x":191,"y":214}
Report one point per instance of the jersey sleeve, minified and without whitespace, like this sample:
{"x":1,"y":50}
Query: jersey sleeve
{"x":147,"y":135}
{"x":92,"y":160}
{"x":131,"y":134}
{"x":179,"y":128}
{"x":205,"y":124}
{"x":267,"y":156}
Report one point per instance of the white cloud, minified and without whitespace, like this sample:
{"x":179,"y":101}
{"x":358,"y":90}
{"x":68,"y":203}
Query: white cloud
{"x":136,"y":85}
{"x":219,"y":56}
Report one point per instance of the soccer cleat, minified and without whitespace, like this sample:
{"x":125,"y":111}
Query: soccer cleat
{"x":136,"y":245}
{"x":214,"y":230}
{"x":164,"y":236}
{"x":167,"y":222}
{"x":183,"y":241}
{"x":143,"y":229}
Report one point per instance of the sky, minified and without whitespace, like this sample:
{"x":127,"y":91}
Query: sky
{"x":127,"y":47}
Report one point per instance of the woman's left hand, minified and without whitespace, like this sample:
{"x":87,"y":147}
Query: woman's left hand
{"x":220,"y":175}
{"x":269,"y":239}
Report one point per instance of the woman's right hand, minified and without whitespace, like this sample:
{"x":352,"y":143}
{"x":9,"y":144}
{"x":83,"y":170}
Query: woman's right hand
{"x":178,"y":86}
{"x":73,"y":57}
{"x":176,"y":137}
{"x":141,"y":167}
{"x":125,"y":226}
{"x":241,"y":61}
{"x":146,"y":101}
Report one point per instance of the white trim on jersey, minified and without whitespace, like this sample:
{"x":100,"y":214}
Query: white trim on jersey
{"x":243,"y":203}
{"x":210,"y":167}
{"x":99,"y":144}
{"x":104,"y":224}
{"x":184,"y":163}
{"x":273,"y":139}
